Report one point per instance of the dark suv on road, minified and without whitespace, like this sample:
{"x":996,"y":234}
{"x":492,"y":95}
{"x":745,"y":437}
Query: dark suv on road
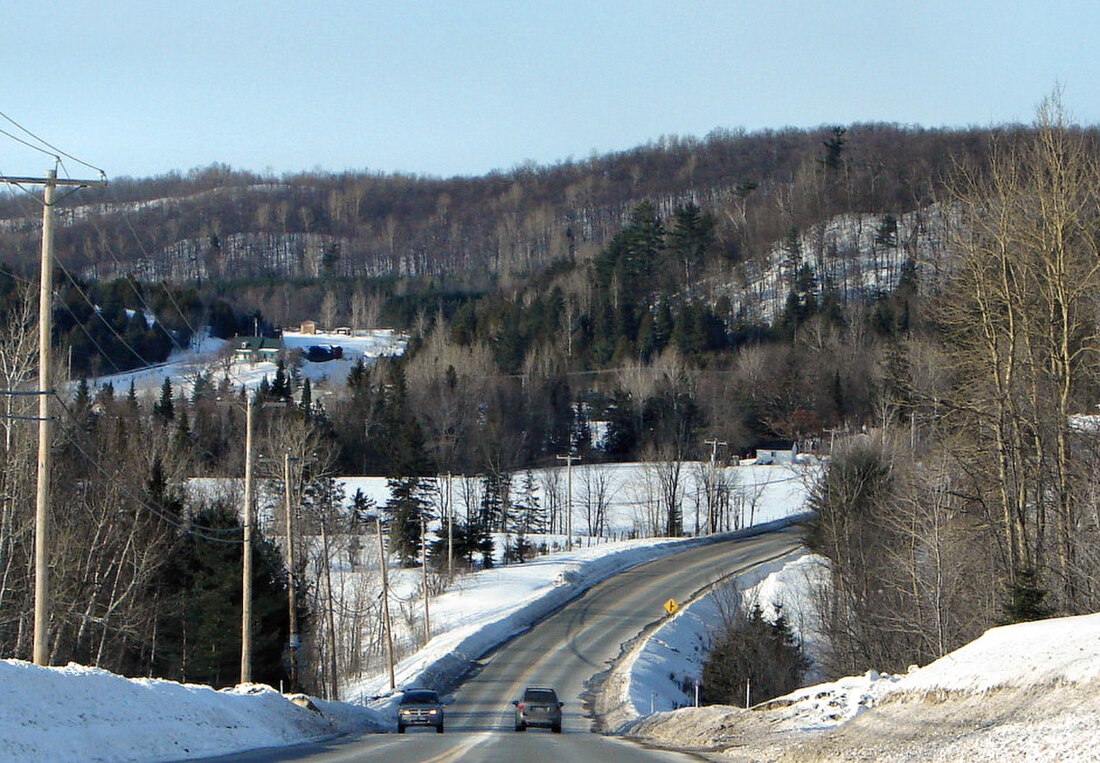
{"x":539,"y":707}
{"x":420,"y":707}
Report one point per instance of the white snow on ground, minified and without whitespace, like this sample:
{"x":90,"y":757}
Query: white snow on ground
{"x":1051,"y":667}
{"x":78,"y":713}
{"x":496,"y":604}
{"x":1020,"y":656}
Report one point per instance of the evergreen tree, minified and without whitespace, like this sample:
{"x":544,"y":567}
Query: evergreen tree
{"x":765,"y":655}
{"x":199,"y":626}
{"x":622,"y":431}
{"x":306,"y":403}
{"x":131,"y":398}
{"x":408,"y":502}
{"x":691,"y":235}
{"x":203,"y":389}
{"x":181,"y":439}
{"x":1025,"y":602}
{"x":280,"y":387}
{"x":165,"y":409}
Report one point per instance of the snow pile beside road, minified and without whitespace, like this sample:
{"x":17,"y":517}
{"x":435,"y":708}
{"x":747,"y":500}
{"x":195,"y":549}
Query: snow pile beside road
{"x":1036,"y":654}
{"x":87,"y":714}
{"x":1022,"y":692}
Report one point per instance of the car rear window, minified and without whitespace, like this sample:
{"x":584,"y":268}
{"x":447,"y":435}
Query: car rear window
{"x":540,"y":695}
{"x":420,"y":698}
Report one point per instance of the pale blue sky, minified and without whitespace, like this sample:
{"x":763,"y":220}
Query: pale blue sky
{"x":463,"y":87}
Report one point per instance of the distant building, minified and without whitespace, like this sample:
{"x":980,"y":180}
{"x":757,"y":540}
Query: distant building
{"x":776,"y":452}
{"x":308,"y":327}
{"x":343,"y":330}
{"x":253,"y":349}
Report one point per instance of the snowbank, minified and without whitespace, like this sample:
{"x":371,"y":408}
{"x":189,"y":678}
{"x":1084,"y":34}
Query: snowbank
{"x":1039,"y":654}
{"x":87,"y":714}
{"x":1029,"y":691}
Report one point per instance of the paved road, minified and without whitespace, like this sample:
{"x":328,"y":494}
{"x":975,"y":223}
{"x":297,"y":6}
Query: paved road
{"x":564,"y":651}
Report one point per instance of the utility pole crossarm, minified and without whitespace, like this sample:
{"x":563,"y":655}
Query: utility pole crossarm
{"x":15,"y":180}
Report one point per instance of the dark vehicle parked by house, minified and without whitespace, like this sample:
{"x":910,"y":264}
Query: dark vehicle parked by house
{"x":538,"y":707}
{"x":420,"y":707}
{"x":320,"y":353}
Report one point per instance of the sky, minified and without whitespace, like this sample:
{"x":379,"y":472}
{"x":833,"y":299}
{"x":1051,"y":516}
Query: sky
{"x":444,"y":88}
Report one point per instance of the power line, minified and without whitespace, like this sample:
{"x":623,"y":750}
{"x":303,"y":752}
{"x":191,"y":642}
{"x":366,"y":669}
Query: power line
{"x":110,"y":250}
{"x":17,"y":139}
{"x":189,"y":526}
{"x":99,"y":314}
{"x":44,"y":142}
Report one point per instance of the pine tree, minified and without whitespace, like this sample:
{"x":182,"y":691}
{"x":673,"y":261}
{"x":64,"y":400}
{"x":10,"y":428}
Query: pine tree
{"x":407,"y":504}
{"x":765,"y":655}
{"x":1025,"y":602}
{"x":165,"y":409}
{"x":280,"y":388}
{"x":182,"y":437}
{"x":306,"y":403}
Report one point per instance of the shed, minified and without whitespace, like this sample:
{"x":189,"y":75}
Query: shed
{"x":776,"y":451}
{"x":308,"y":327}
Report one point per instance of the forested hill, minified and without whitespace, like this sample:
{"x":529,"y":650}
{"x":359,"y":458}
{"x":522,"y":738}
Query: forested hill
{"x":219,"y":224}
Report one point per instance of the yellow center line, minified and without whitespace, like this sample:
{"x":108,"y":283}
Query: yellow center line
{"x":460,"y":749}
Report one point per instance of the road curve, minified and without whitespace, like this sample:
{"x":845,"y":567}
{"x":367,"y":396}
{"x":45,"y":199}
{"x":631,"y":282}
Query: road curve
{"x":564,"y":651}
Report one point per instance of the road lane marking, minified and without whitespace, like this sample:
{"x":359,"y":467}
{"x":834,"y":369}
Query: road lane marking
{"x":460,"y":749}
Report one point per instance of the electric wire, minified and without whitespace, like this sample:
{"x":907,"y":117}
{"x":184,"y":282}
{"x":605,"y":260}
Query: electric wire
{"x":114,"y":257}
{"x":50,"y":146}
{"x":200,"y":531}
{"x":17,"y":139}
{"x":99,"y":314}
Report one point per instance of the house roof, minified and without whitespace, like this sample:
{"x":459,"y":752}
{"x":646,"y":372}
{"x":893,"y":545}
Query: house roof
{"x":258,"y":344}
{"x":775,"y":445}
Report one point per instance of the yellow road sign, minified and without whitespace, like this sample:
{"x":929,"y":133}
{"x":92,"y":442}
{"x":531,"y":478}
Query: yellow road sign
{"x":671,"y":606}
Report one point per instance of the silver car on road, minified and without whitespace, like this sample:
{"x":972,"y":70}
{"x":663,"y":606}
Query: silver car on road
{"x":538,"y":707}
{"x":420,"y":707}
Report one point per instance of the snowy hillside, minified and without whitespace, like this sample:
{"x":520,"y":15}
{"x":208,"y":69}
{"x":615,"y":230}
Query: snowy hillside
{"x":211,"y":357}
{"x":852,"y":253}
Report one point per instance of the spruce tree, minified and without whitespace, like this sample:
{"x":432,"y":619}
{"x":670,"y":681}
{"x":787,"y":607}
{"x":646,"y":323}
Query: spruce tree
{"x":165,"y":409}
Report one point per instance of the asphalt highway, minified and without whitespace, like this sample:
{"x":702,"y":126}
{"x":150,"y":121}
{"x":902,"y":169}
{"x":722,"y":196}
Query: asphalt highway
{"x":563,"y":651}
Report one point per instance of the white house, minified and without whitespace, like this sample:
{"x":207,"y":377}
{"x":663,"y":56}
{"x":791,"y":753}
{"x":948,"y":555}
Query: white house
{"x":776,"y":452}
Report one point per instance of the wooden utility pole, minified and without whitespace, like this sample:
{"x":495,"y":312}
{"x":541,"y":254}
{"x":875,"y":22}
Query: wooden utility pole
{"x":569,"y":459}
{"x":45,"y":329}
{"x":292,"y":595}
{"x":712,"y":491}
{"x":450,"y":531}
{"x":329,"y":620}
{"x":246,"y":551}
{"x":385,"y":602}
{"x":424,"y":567}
